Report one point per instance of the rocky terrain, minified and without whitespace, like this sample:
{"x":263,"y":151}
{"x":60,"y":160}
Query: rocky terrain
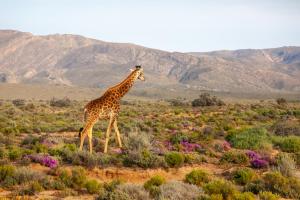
{"x":78,"y":61}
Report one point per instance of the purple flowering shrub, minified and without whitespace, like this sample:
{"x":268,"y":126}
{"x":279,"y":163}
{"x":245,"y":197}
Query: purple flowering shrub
{"x":182,"y":146}
{"x":45,"y":160}
{"x":258,"y":161}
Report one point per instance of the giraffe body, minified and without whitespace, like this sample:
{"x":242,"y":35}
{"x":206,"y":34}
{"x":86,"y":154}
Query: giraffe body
{"x":107,"y":107}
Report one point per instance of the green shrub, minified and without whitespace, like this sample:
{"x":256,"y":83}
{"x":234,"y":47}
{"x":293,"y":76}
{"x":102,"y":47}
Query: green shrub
{"x":255,"y":186}
{"x":6,"y":171}
{"x":244,"y":196}
{"x":174,"y":159}
{"x":144,"y":159}
{"x":290,"y":144}
{"x":78,"y":177}
{"x":93,"y":186}
{"x":277,"y":183}
{"x":243,"y":176}
{"x":268,"y":196}
{"x":35,"y":187}
{"x":220,"y":187}
{"x":65,"y":177}
{"x":197,"y":177}
{"x":153,"y":184}
{"x":235,"y":157}
{"x":252,"y":138}
{"x":15,"y":153}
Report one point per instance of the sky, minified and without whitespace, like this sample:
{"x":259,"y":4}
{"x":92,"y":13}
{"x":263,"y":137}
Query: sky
{"x":172,"y":25}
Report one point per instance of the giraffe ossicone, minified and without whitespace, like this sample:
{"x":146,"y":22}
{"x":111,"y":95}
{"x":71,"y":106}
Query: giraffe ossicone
{"x":107,"y":107}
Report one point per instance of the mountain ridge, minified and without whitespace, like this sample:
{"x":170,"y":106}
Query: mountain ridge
{"x":75,"y":60}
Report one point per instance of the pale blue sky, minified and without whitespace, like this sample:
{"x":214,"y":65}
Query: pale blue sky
{"x":173,"y":25}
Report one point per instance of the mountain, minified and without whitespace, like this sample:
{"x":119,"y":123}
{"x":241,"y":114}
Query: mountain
{"x":78,"y":61}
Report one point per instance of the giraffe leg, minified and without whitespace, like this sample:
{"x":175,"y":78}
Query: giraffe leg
{"x":111,"y":120}
{"x":84,"y":134}
{"x":90,"y":133}
{"x":117,"y":133}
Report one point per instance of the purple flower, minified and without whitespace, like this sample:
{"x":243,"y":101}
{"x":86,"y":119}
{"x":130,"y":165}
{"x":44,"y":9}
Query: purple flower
{"x":189,"y":147}
{"x":259,"y":163}
{"x":253,"y":155}
{"x":45,"y":160}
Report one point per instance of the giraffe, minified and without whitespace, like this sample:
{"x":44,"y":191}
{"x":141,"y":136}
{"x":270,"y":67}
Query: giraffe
{"x":108,"y":107}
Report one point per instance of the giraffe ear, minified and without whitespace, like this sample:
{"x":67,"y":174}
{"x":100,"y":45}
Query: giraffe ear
{"x":131,"y":70}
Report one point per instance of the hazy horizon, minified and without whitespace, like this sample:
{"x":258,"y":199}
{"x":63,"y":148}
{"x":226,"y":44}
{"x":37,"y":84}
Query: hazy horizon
{"x":190,"y":26}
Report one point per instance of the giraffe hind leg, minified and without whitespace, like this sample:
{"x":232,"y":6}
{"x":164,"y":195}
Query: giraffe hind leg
{"x":83,"y":134}
{"x":117,"y":133}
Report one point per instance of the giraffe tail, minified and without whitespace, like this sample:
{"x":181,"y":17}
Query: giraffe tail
{"x":80,"y":131}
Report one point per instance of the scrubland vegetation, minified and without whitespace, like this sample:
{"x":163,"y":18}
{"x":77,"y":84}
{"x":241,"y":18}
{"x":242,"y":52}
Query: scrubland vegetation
{"x":254,"y":150}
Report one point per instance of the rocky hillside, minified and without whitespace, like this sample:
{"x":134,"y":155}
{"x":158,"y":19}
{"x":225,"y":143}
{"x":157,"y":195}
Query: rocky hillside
{"x":79,"y":61}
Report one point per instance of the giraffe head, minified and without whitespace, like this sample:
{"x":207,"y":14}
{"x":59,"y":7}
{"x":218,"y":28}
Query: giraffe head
{"x":140,"y":72}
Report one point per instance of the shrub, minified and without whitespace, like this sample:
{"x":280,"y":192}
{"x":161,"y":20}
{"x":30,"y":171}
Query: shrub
{"x":83,"y":158}
{"x":6,"y":171}
{"x":220,"y":187}
{"x":255,"y":186}
{"x":60,"y":102}
{"x":290,"y":144}
{"x":243,"y":176}
{"x":110,"y":192}
{"x":134,"y":192}
{"x":244,"y":196}
{"x":34,"y":187}
{"x":93,"y":186}
{"x":144,"y":159}
{"x":178,"y":102}
{"x":235,"y":157}
{"x":252,"y":138}
{"x":286,"y":128}
{"x":277,"y":183}
{"x":286,"y":164}
{"x":179,"y":191}
{"x":45,"y":160}
{"x":65,"y":177}
{"x":197,"y":177}
{"x":206,"y":100}
{"x":281,"y":101}
{"x":78,"y":177}
{"x":15,"y":153}
{"x":153,"y":184}
{"x":26,"y":175}
{"x":257,"y":161}
{"x":174,"y":159}
{"x":18,"y":102}
{"x":268,"y":196}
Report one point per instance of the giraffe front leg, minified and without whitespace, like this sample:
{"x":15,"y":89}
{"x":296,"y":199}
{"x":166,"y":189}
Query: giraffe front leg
{"x":117,"y":133}
{"x":90,"y":133}
{"x":108,"y":133}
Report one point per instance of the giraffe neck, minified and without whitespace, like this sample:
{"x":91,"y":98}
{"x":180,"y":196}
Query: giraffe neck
{"x":126,"y":84}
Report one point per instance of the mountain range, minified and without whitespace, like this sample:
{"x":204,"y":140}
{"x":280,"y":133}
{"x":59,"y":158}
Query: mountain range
{"x":79,"y":61}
